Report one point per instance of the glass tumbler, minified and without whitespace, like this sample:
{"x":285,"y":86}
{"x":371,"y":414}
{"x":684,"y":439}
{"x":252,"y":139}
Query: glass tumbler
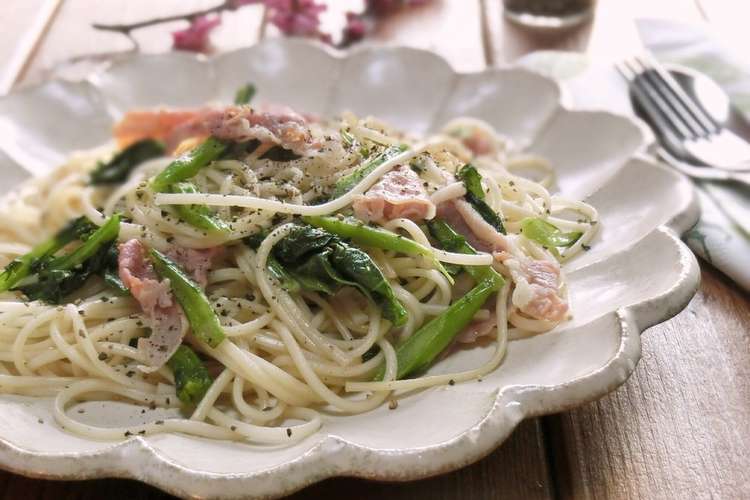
{"x":549,"y":13}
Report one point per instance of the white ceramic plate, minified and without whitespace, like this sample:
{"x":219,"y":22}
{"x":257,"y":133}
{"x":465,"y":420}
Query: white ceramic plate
{"x":637,"y":274}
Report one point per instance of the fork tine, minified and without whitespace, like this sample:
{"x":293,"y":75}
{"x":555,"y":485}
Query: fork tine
{"x":652,"y":80}
{"x":706,"y":124}
{"x":661,"y":124}
{"x":655,"y":105}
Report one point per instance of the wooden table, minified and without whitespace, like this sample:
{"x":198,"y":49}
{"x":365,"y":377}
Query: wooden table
{"x":679,"y":428}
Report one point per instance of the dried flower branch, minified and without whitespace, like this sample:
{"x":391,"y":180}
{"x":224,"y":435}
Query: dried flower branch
{"x":291,"y":17}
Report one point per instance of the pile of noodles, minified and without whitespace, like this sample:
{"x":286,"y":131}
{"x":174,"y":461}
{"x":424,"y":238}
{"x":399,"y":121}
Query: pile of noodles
{"x":286,"y":357}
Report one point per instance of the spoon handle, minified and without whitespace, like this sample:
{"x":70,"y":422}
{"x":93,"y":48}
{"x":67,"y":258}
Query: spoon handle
{"x":703,"y":173}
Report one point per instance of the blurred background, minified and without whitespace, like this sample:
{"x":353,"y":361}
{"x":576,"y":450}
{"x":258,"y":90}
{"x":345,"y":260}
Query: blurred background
{"x":41,"y":34}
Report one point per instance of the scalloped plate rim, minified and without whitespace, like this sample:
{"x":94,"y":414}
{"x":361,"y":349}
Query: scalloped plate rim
{"x":333,"y":456}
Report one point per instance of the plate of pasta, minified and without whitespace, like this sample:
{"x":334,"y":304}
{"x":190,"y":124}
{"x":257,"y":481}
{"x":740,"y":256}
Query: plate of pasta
{"x":291,"y":264}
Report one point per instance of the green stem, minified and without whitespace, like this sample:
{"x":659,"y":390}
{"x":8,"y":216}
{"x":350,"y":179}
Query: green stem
{"x":188,"y":164}
{"x":203,"y":321}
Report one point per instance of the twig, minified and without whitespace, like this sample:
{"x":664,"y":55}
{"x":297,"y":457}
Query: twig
{"x":125,"y":29}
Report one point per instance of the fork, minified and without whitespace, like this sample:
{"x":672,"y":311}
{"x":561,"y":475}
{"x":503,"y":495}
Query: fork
{"x":688,"y":132}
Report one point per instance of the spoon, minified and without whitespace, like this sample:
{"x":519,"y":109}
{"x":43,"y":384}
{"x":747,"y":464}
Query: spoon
{"x":714,"y":101}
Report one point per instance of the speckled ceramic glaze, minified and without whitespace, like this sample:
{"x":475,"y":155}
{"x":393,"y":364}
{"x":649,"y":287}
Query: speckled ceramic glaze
{"x":637,"y":274}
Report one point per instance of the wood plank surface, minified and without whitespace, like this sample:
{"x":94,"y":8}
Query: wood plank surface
{"x":679,"y":428}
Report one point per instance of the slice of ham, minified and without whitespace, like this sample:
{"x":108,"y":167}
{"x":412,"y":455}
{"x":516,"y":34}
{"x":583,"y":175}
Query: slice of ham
{"x":280,"y":126}
{"x":399,"y":193}
{"x":537,"y":291}
{"x":479,"y":143}
{"x":195,"y":262}
{"x":477,"y":329}
{"x":150,"y":124}
{"x":155,"y":298}
{"x":466,"y":221}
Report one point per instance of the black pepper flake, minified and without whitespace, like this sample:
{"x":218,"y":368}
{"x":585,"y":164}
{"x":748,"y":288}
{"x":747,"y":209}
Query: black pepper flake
{"x":392,"y":404}
{"x":152,"y":405}
{"x":288,"y":432}
{"x":81,"y":411}
{"x":40,"y":421}
{"x":451,"y":382}
{"x":159,"y":422}
{"x":233,"y":427}
{"x":143,"y":432}
{"x":129,"y":373}
{"x":585,"y":247}
{"x":102,"y":356}
{"x":128,"y":433}
{"x":168,"y":401}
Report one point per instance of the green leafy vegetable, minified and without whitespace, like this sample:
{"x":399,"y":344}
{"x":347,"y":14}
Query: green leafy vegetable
{"x":112,"y":279}
{"x":362,"y":234}
{"x":345,"y":184}
{"x":417,"y":352}
{"x":301,"y":241}
{"x":191,"y":378}
{"x":320,"y":261}
{"x":239,"y":149}
{"x":359,"y":267}
{"x":111,"y":271}
{"x":199,"y":216}
{"x":59,"y":276}
{"x":24,"y":265}
{"x":118,"y":168}
{"x":275,"y":268}
{"x":188,"y":164}
{"x":277,"y":153}
{"x":285,"y":279}
{"x":547,"y":234}
{"x":203,"y":321}
{"x":370,"y":353}
{"x":472,"y":180}
{"x":245,"y":94}
{"x":318,"y":274}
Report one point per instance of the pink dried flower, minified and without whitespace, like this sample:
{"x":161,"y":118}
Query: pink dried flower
{"x":194,"y":38}
{"x":356,"y":28}
{"x":382,"y":7}
{"x":296,"y":17}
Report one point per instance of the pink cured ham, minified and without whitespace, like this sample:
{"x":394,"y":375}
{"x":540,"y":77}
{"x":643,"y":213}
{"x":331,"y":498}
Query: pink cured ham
{"x":479,"y":143}
{"x":155,"y":298}
{"x":466,"y":221}
{"x":195,"y":262}
{"x":477,"y":329}
{"x":280,"y":126}
{"x":399,"y":193}
{"x":537,"y":292}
